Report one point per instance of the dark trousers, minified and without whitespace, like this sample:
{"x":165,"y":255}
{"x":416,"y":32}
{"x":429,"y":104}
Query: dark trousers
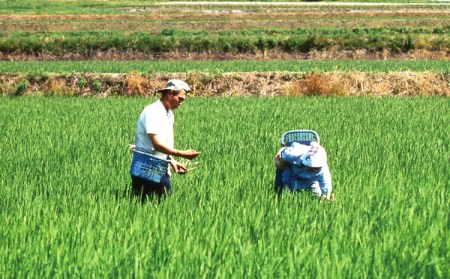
{"x":143,"y":189}
{"x":278,"y":183}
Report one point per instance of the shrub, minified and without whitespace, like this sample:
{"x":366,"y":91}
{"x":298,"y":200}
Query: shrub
{"x":81,"y":83}
{"x":96,"y":85}
{"x":20,"y":87}
{"x":168,"y":31}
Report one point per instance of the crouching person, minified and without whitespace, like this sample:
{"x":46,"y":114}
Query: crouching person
{"x":303,"y":167}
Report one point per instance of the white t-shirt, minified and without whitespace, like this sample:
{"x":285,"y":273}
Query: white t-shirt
{"x":154,"y":119}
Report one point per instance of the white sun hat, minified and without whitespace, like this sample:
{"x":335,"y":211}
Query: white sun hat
{"x":176,"y":85}
{"x":315,"y":157}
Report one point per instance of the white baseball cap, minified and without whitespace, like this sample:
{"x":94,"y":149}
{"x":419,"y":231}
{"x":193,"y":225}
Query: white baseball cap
{"x":176,"y":85}
{"x":315,"y":157}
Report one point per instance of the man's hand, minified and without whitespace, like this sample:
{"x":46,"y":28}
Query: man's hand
{"x":178,"y":167}
{"x":160,"y":146}
{"x":189,"y":154}
{"x":328,"y":198}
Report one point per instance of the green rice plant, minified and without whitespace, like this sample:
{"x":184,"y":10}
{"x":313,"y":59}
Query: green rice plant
{"x":65,"y":210}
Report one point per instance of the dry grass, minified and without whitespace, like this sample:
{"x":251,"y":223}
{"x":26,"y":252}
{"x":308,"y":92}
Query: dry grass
{"x":59,"y":86}
{"x":324,"y":84}
{"x":137,"y":84}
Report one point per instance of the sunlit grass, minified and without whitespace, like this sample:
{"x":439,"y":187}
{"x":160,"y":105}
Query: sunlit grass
{"x":40,"y":67}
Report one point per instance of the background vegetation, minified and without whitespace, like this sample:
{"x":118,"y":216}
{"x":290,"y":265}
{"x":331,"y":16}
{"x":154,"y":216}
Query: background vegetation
{"x":397,"y":40}
{"x":149,"y":30}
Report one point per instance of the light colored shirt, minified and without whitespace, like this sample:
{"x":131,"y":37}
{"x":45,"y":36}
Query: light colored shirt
{"x":297,"y":176}
{"x":154,"y":119}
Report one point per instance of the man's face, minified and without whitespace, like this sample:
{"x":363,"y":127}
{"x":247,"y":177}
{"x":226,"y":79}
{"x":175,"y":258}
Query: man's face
{"x":176,"y":100}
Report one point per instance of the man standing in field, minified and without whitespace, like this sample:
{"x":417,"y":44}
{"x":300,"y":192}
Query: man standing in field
{"x":303,"y":167}
{"x":154,"y":135}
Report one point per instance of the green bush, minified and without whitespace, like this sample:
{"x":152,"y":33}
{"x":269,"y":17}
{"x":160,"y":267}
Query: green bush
{"x":96,"y":85}
{"x":168,"y":31}
{"x":20,"y":87}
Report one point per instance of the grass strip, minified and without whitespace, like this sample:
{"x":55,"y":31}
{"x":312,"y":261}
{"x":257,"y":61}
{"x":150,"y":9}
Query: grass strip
{"x":42,"y":67}
{"x":398,"y":40}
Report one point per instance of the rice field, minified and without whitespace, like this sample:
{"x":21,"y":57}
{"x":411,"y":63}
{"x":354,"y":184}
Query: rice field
{"x":65,"y":212}
{"x":65,"y":208}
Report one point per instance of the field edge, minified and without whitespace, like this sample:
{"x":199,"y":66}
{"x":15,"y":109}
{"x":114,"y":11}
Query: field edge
{"x":269,"y":84}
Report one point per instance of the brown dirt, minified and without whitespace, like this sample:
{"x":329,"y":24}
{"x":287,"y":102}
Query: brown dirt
{"x":231,"y":14}
{"x":215,"y":22}
{"x":156,"y":27}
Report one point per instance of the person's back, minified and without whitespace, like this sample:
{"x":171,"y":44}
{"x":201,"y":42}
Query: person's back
{"x":303,"y":167}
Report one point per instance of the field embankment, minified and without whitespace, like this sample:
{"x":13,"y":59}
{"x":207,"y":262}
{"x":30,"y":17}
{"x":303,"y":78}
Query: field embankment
{"x":232,"y":84}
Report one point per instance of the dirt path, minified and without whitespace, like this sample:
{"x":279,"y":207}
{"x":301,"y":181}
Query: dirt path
{"x":230,"y":3}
